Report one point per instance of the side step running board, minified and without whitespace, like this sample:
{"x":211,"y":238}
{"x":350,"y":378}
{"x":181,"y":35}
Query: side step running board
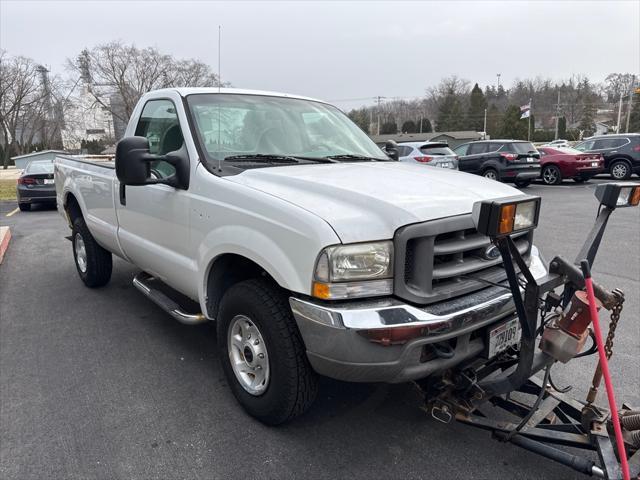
{"x":142,"y":283}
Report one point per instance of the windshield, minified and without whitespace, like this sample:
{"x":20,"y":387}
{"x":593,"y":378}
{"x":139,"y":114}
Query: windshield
{"x":39,"y":167}
{"x":233,"y":125}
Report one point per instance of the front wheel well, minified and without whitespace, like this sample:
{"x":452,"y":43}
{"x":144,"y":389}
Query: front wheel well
{"x":227,"y":270}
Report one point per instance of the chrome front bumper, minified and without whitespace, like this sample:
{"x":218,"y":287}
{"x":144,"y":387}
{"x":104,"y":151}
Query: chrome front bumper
{"x":336,"y":349}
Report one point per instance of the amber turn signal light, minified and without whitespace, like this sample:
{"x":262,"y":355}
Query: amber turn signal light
{"x":503,"y":216}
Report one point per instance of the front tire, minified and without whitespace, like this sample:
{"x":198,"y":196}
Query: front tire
{"x":551,"y":175}
{"x":262,"y":353}
{"x":24,"y":207}
{"x":522,"y":183}
{"x":94,"y":263}
{"x":620,"y":170}
{"x":491,"y":174}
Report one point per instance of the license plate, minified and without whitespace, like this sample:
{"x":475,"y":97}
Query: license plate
{"x":594,"y":164}
{"x":445,"y":165}
{"x":504,"y":336}
{"x":530,"y":159}
{"x":48,"y":181}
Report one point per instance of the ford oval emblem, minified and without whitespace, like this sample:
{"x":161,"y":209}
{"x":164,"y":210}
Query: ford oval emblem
{"x":491,"y":252}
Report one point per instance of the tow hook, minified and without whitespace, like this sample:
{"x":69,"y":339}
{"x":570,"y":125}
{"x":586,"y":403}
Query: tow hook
{"x":441,"y":412}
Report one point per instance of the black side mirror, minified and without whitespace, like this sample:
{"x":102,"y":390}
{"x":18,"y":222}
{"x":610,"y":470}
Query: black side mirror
{"x":133,"y":159}
{"x":391,"y":148}
{"x":133,"y":164}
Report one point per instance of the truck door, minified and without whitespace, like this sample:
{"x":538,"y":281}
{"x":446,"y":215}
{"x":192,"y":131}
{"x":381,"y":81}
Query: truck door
{"x":153,"y":220}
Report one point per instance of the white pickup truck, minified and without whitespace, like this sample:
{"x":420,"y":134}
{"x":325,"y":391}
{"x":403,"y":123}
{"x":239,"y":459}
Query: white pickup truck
{"x":314,"y":251}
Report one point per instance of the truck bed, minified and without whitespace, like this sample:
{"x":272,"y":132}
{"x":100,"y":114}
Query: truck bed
{"x":91,"y":180}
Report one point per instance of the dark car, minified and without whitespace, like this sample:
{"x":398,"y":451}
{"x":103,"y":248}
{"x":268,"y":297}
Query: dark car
{"x":36,"y":185}
{"x":621,"y":153}
{"x":559,"y":163}
{"x":504,"y":160}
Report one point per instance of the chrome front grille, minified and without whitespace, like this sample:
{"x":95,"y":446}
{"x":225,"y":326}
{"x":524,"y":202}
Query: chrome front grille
{"x":446,"y":258}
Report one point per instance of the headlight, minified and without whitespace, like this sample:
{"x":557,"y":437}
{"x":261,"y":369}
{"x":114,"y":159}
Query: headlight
{"x":614,"y":195}
{"x":358,"y":270}
{"x":504,"y":216}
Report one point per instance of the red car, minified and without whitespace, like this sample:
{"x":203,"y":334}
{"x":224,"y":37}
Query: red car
{"x":559,"y":163}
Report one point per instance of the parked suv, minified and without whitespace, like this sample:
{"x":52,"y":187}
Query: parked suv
{"x":621,"y":153}
{"x":505,"y":160}
{"x":435,"y":154}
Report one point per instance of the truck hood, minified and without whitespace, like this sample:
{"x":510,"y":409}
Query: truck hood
{"x":370,"y":201}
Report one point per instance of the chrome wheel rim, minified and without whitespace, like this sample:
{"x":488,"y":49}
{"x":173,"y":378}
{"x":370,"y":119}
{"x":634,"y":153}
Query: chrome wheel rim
{"x":81,"y":252}
{"x":619,"y":170}
{"x":491,"y":175}
{"x":549,"y":176}
{"x":248,"y":355}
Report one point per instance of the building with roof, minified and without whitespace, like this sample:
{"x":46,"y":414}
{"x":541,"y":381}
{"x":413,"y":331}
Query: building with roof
{"x":21,"y":161}
{"x":452,"y":138}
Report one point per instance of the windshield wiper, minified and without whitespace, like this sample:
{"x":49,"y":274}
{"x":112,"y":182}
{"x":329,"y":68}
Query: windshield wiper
{"x":273,"y":158}
{"x":262,"y":158}
{"x":349,"y":156}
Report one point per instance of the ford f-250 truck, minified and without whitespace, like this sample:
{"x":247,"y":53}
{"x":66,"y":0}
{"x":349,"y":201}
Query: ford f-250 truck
{"x":313,"y":250}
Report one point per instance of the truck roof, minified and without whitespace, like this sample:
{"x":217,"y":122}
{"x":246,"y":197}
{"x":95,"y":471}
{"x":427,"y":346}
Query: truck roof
{"x":184,"y":91}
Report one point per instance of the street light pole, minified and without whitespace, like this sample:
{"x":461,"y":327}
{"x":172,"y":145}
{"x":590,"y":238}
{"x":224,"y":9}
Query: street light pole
{"x":557,"y":115}
{"x":484,"y":130}
{"x":379,"y":98}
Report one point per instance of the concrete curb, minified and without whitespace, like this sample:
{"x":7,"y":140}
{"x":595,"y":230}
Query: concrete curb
{"x":5,"y":236}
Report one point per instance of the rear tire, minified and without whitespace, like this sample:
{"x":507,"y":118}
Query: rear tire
{"x":94,"y":263}
{"x":620,"y":170}
{"x":551,"y":175}
{"x":490,"y":173}
{"x":24,"y":207}
{"x":286,"y":385}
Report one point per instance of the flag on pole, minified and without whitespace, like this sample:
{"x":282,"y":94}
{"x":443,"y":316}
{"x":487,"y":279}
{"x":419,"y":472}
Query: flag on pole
{"x":525,"y":111}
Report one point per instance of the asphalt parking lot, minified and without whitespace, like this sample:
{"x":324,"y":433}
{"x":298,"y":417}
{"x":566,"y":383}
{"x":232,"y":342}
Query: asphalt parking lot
{"x":103,"y":384}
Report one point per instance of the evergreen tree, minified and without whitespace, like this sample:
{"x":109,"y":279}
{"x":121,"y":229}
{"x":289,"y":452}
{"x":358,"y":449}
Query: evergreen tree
{"x":562,"y":127}
{"x":587,"y":120}
{"x":450,"y":116}
{"x":426,"y":126}
{"x":634,"y":121}
{"x":389,"y":127}
{"x":493,"y":121}
{"x":409,"y":127}
{"x":475,"y":114}
{"x":512,"y":127}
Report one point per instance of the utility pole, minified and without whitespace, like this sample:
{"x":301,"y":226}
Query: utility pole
{"x":379,"y":99}
{"x":498,"y":86}
{"x":619,"y":114}
{"x":629,"y":105}
{"x":557,"y":115}
{"x":484,"y":130}
{"x":529,"y":118}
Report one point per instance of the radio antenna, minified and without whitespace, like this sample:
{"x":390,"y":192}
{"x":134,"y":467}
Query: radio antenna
{"x":219,"y":85}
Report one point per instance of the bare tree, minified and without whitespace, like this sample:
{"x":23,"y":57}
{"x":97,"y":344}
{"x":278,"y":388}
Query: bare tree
{"x":123,"y":73}
{"x":21,"y":104}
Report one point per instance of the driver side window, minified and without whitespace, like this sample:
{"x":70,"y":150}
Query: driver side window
{"x":159,"y":124}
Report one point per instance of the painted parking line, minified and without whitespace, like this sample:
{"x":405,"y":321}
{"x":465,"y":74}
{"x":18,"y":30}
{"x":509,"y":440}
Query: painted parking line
{"x":12,"y":212}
